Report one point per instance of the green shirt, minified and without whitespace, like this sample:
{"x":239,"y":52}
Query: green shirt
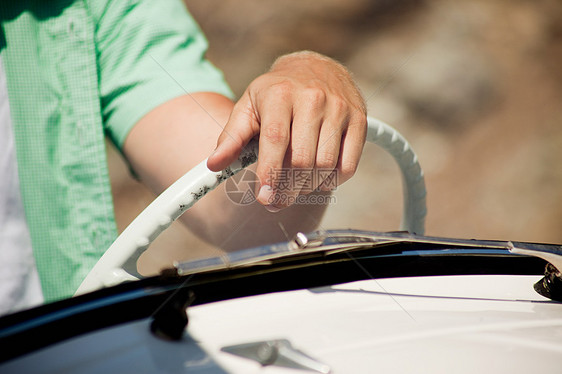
{"x":76,"y":71}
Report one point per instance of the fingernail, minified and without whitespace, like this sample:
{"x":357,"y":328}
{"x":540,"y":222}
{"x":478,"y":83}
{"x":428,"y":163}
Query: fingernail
{"x":265,"y":196}
{"x":271,"y":208}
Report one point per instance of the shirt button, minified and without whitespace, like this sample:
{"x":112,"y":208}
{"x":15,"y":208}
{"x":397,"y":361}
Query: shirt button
{"x":74,"y":30}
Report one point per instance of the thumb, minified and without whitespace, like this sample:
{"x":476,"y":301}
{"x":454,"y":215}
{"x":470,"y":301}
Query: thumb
{"x":241,"y":127}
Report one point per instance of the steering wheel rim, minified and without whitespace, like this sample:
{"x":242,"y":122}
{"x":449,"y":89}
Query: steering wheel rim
{"x":118,"y":264}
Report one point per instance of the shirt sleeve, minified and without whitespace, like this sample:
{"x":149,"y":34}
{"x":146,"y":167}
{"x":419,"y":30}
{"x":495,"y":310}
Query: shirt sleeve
{"x":149,"y":52}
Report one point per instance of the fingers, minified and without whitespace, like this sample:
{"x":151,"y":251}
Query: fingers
{"x":313,"y":142}
{"x":241,"y":127}
{"x":352,"y":142}
{"x":311,"y":123}
{"x":327,"y":138}
{"x":296,"y":177}
{"x":329,"y":146}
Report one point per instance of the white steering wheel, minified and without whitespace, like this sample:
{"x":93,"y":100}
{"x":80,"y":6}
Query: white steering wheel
{"x":119,"y":263}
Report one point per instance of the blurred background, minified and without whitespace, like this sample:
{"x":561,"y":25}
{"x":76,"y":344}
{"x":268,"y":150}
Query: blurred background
{"x":475,"y":86}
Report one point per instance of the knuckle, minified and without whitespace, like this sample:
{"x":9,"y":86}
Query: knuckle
{"x":326,"y":160}
{"x":314,"y":97}
{"x":348,"y":169}
{"x":276,"y":133}
{"x":341,"y":107}
{"x":359,"y":116}
{"x":302,"y":158}
{"x":281,"y":90}
{"x":359,"y":119}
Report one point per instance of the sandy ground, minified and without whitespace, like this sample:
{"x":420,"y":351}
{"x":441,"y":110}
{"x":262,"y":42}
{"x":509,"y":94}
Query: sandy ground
{"x":475,"y":86}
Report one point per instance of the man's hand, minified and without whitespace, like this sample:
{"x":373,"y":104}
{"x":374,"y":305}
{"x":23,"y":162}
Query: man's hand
{"x":310,"y":118}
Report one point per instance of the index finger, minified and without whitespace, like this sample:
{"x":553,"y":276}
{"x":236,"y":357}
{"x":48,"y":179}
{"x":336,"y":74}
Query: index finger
{"x":275,"y":133}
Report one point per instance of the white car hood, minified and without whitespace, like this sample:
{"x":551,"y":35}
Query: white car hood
{"x":441,"y":324}
{"x":460,"y":324}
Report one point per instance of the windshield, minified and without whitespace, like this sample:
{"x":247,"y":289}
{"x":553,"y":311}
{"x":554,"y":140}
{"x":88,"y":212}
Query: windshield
{"x":450,"y":79}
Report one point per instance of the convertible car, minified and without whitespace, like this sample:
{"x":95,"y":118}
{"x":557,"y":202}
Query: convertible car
{"x":340,"y":301}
